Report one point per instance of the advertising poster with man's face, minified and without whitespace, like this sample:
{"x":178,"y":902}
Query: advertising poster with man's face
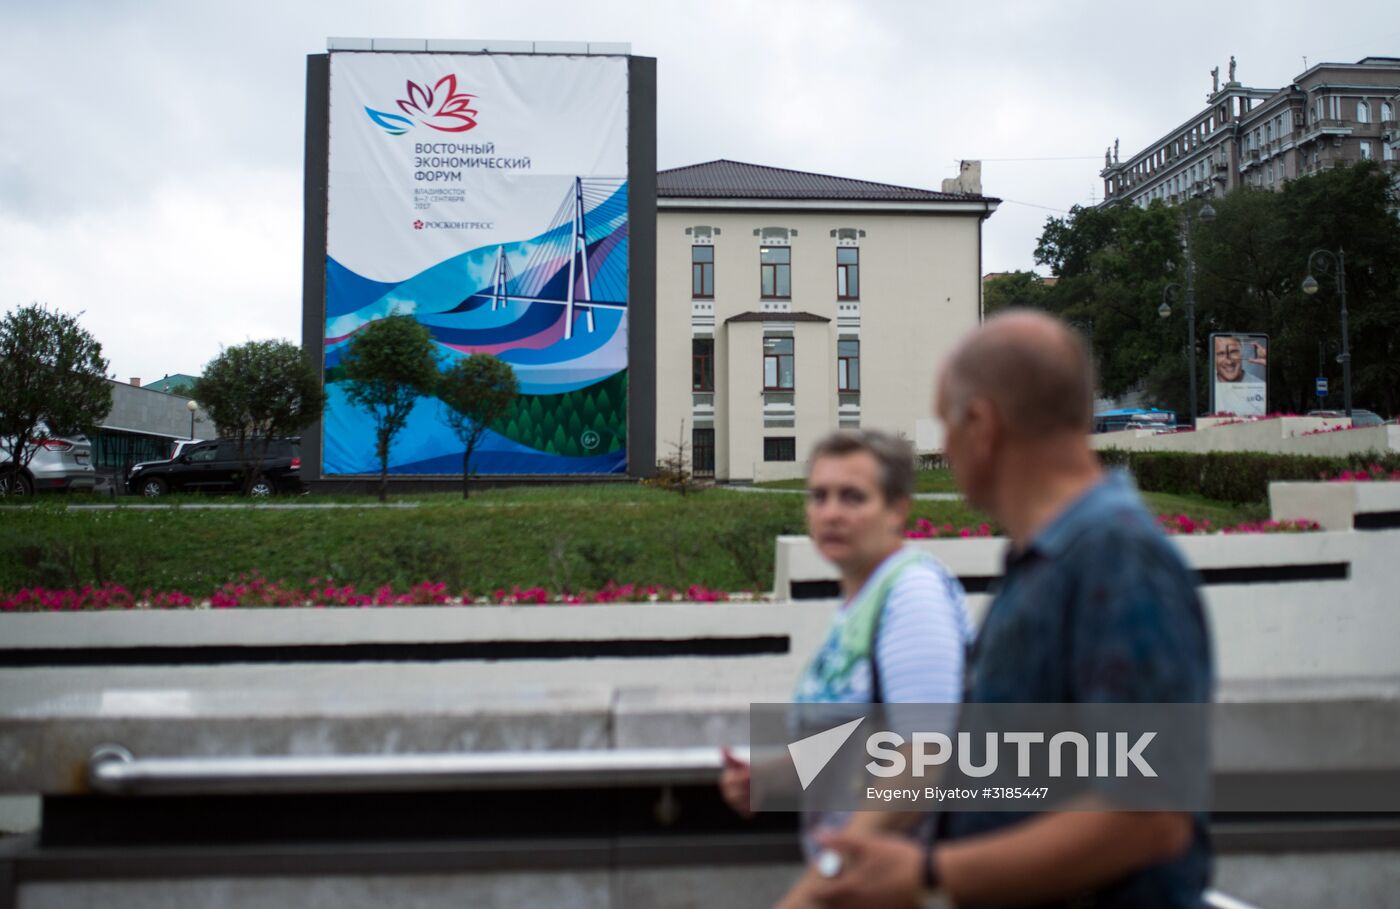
{"x":1241,"y":385}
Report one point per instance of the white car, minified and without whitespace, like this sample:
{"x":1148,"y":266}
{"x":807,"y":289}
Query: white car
{"x":59,"y":464}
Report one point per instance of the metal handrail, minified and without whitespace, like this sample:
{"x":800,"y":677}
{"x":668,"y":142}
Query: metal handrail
{"x":1217,"y":900}
{"x":113,"y":770}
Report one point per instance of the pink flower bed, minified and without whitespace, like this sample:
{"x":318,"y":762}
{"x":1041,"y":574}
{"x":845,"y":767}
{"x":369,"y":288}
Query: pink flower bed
{"x":1318,"y":432}
{"x":255,"y":590}
{"x":1374,"y":472}
{"x":1172,"y":524}
{"x":1175,"y":524}
{"x":924,"y":529}
{"x":1275,"y":415}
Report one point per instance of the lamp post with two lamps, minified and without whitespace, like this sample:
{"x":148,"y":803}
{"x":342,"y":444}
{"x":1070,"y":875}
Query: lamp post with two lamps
{"x":1338,"y":268}
{"x":1188,"y":228}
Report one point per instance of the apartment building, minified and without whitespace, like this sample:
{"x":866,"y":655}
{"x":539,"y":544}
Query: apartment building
{"x":1330,"y":114}
{"x":791,"y":303}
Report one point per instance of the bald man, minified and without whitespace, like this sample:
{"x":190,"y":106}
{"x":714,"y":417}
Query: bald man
{"x":1095,"y":606}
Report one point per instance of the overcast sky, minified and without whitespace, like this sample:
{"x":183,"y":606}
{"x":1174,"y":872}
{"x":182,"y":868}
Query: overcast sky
{"x":150,"y":152}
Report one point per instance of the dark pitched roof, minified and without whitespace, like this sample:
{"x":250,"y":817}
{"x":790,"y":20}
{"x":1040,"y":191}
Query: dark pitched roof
{"x":725,"y":179}
{"x":777,"y":317}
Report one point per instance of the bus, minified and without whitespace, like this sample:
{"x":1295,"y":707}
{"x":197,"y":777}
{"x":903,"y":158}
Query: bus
{"x":1134,"y":418}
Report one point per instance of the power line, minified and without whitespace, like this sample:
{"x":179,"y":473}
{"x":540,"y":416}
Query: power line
{"x":1063,"y":211}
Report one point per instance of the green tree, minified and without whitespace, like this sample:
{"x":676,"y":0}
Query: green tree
{"x":1115,"y":262}
{"x":1013,"y":289}
{"x":1112,"y":265}
{"x":53,"y":375}
{"x":257,"y":392}
{"x":389,"y":365}
{"x":478,"y":391}
{"x":1350,"y":208}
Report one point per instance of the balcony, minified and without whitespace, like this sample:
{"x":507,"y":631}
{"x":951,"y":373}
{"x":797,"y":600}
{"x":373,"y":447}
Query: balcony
{"x":1342,"y":127}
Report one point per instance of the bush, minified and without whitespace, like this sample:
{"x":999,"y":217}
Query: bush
{"x":933,"y":460}
{"x":1238,"y":476}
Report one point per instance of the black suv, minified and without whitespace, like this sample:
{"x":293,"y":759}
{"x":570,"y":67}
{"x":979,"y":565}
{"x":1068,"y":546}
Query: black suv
{"x":216,"y":467}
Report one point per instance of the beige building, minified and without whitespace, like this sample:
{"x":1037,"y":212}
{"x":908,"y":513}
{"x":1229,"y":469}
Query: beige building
{"x":1330,"y":114}
{"x":791,"y":303}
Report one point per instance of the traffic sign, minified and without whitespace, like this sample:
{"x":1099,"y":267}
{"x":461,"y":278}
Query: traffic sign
{"x":1321,"y":386}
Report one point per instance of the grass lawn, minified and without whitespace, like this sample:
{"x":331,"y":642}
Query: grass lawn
{"x":561,"y":538}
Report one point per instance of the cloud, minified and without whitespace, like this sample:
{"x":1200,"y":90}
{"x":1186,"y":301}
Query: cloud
{"x":151,"y":152}
{"x":163,"y":283}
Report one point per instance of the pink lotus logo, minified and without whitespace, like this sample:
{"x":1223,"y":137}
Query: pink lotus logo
{"x":417,"y":225}
{"x":441,"y":107}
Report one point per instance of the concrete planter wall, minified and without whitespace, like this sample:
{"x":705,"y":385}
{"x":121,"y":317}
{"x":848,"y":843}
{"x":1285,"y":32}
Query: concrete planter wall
{"x":1337,"y":506}
{"x":1286,"y":426}
{"x":1282,"y":606}
{"x":1312,"y":617}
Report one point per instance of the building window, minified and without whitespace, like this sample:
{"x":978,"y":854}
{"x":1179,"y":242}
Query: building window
{"x":702,"y":272}
{"x":1387,"y":152}
{"x":848,"y":365}
{"x":777,"y":364}
{"x":847,"y":273}
{"x":1387,"y":111}
{"x":702,"y":364}
{"x":779,"y":448}
{"x":702,"y":452}
{"x":1365,"y":151}
{"x":1363,"y":112}
{"x":775,"y":272}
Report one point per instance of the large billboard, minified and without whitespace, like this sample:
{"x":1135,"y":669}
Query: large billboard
{"x":1240,"y":385}
{"x":486,"y":196}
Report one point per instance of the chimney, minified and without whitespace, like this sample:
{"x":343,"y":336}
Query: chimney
{"x":136,"y":381}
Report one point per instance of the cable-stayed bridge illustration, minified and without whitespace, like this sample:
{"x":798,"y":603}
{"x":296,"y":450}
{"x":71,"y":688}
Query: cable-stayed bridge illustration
{"x":570,"y":266}
{"x":551,"y":303}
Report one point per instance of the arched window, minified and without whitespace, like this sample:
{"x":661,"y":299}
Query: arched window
{"x":1387,"y":111}
{"x":1363,"y":112}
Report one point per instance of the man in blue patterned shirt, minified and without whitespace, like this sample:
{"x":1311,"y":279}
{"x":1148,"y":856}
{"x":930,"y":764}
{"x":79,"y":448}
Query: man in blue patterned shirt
{"x":1095,"y":606}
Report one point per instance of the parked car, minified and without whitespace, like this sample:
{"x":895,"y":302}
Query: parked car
{"x":60,"y":464}
{"x":177,"y":447}
{"x":1359,"y":417}
{"x":216,"y":467}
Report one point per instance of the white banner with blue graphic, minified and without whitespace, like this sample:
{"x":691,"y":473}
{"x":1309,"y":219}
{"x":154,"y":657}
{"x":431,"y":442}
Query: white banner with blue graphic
{"x":485,"y":196}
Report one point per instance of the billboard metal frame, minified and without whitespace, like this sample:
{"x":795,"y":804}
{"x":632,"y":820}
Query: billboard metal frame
{"x":641,"y":315}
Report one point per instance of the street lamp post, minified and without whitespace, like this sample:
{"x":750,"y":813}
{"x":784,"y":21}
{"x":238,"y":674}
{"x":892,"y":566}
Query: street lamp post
{"x":192,"y":405}
{"x":1339,"y":269}
{"x":1188,"y":229}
